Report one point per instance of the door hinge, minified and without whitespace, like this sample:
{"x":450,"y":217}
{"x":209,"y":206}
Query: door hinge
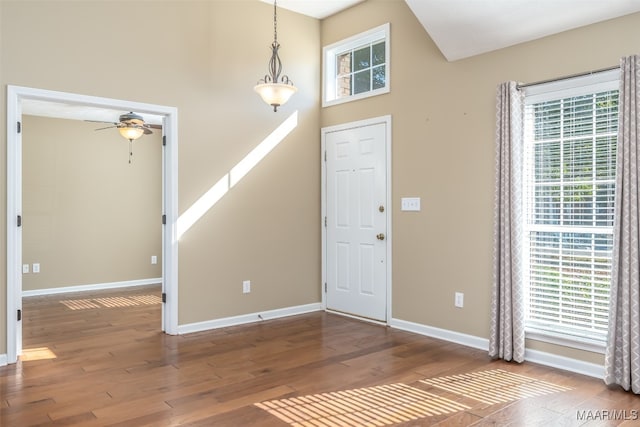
{"x":325,"y":221}
{"x":325,"y":155}
{"x":164,"y":220}
{"x":19,"y":221}
{"x":164,"y":140}
{"x":325,"y":287}
{"x":19,"y":315}
{"x":19,"y":127}
{"x":164,"y":297}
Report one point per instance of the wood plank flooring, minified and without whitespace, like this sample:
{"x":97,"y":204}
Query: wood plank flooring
{"x":100,"y":359}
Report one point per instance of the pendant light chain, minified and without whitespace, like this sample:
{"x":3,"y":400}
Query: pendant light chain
{"x":275,"y":22}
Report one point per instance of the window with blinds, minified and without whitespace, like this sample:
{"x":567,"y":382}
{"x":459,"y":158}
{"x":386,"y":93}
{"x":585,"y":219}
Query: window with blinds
{"x":570,"y":163}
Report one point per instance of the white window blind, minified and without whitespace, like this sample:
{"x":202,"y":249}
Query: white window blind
{"x":570,"y":149}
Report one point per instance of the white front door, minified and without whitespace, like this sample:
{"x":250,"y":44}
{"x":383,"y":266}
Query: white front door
{"x":356,"y":221}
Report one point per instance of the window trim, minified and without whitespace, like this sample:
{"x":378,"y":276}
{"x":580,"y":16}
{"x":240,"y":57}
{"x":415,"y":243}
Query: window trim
{"x":330,"y":52}
{"x":566,"y":88}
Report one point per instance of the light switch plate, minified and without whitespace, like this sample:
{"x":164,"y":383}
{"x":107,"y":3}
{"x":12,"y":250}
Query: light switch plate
{"x":410,"y":204}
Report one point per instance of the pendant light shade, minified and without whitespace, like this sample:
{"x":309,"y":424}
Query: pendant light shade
{"x":274,"y":89}
{"x":275,"y":94}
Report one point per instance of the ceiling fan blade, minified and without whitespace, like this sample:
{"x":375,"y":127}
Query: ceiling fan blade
{"x":108,"y":127}
{"x":147,"y":131}
{"x":100,"y":121}
{"x":153,"y":126}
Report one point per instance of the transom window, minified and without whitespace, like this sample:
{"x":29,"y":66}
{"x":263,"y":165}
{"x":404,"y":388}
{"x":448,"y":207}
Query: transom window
{"x":357,"y":67}
{"x":570,"y":166}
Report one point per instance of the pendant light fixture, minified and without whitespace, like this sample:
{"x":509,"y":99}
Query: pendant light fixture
{"x":274,"y":89}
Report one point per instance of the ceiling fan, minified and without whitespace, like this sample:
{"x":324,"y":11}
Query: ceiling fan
{"x":132,"y":126}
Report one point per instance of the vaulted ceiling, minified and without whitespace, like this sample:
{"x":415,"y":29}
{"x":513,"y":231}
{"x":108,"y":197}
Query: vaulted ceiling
{"x":464,"y":28}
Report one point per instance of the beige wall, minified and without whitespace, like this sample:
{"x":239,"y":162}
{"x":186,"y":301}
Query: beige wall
{"x":89,"y":217}
{"x":443,"y":151}
{"x":203,"y":57}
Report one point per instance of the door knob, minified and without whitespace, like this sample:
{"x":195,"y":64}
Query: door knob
{"x":380,"y":236}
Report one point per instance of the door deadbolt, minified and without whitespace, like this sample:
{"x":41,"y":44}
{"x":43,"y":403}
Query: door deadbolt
{"x":381,"y":208}
{"x":380,"y":236}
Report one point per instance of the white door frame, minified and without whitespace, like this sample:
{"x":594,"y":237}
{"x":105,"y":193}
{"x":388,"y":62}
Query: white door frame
{"x":388,"y":203}
{"x":15,"y":96}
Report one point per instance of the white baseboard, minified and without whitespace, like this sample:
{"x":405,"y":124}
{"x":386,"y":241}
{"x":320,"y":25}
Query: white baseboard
{"x":248,"y":318}
{"x":534,"y":356}
{"x":94,"y":287}
{"x":566,"y":363}
{"x":3,"y":360}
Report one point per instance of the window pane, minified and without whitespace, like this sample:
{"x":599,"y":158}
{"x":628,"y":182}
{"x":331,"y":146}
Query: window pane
{"x":606,"y":157}
{"x":362,"y":59}
{"x":578,"y":116}
{"x":547,"y":205}
{"x":379,"y":77}
{"x":547,"y":120}
{"x":577,"y":205}
{"x":607,"y":112}
{"x":344,"y":86}
{"x":578,"y":160}
{"x":605,"y":194}
{"x":547,"y":162}
{"x":343,"y":64}
{"x":362,"y":81}
{"x":378,"y":54}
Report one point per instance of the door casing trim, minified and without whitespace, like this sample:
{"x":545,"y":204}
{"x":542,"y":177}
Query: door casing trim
{"x":15,"y":96}
{"x":389,"y":235}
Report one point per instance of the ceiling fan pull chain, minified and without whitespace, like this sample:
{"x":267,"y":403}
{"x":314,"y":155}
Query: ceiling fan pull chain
{"x":130,"y":150}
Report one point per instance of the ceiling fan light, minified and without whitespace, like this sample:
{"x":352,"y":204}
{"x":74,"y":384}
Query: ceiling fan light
{"x":131,"y":132}
{"x":275,"y":94}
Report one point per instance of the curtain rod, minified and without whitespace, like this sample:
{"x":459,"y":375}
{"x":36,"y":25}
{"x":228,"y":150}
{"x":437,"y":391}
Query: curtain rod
{"x":586,"y":73}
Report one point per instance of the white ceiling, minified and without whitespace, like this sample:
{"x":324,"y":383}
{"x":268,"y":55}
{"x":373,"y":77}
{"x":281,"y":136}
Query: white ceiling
{"x":464,"y":28}
{"x":319,"y":9}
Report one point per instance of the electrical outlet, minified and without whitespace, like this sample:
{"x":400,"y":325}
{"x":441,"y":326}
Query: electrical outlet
{"x":25,"y":268}
{"x":246,"y":286}
{"x":154,"y":259}
{"x":459,"y":300}
{"x":36,"y":267}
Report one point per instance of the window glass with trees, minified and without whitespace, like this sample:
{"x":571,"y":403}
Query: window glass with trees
{"x":357,"y":67}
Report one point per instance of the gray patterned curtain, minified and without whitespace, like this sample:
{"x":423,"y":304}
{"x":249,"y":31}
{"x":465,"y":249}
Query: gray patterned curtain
{"x":506,"y":337}
{"x":622,"y":357}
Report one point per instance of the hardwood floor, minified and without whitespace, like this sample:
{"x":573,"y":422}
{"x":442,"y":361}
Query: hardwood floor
{"x":100,"y":359}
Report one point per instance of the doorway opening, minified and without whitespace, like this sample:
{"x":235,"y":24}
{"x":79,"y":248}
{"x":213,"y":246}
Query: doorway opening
{"x":82,"y":107}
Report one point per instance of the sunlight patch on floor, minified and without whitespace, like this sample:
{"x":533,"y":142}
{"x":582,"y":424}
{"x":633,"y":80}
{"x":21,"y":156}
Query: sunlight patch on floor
{"x":380,"y":405}
{"x":494,"y":386}
{"x":39,"y":353}
{"x":111,"y":302}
